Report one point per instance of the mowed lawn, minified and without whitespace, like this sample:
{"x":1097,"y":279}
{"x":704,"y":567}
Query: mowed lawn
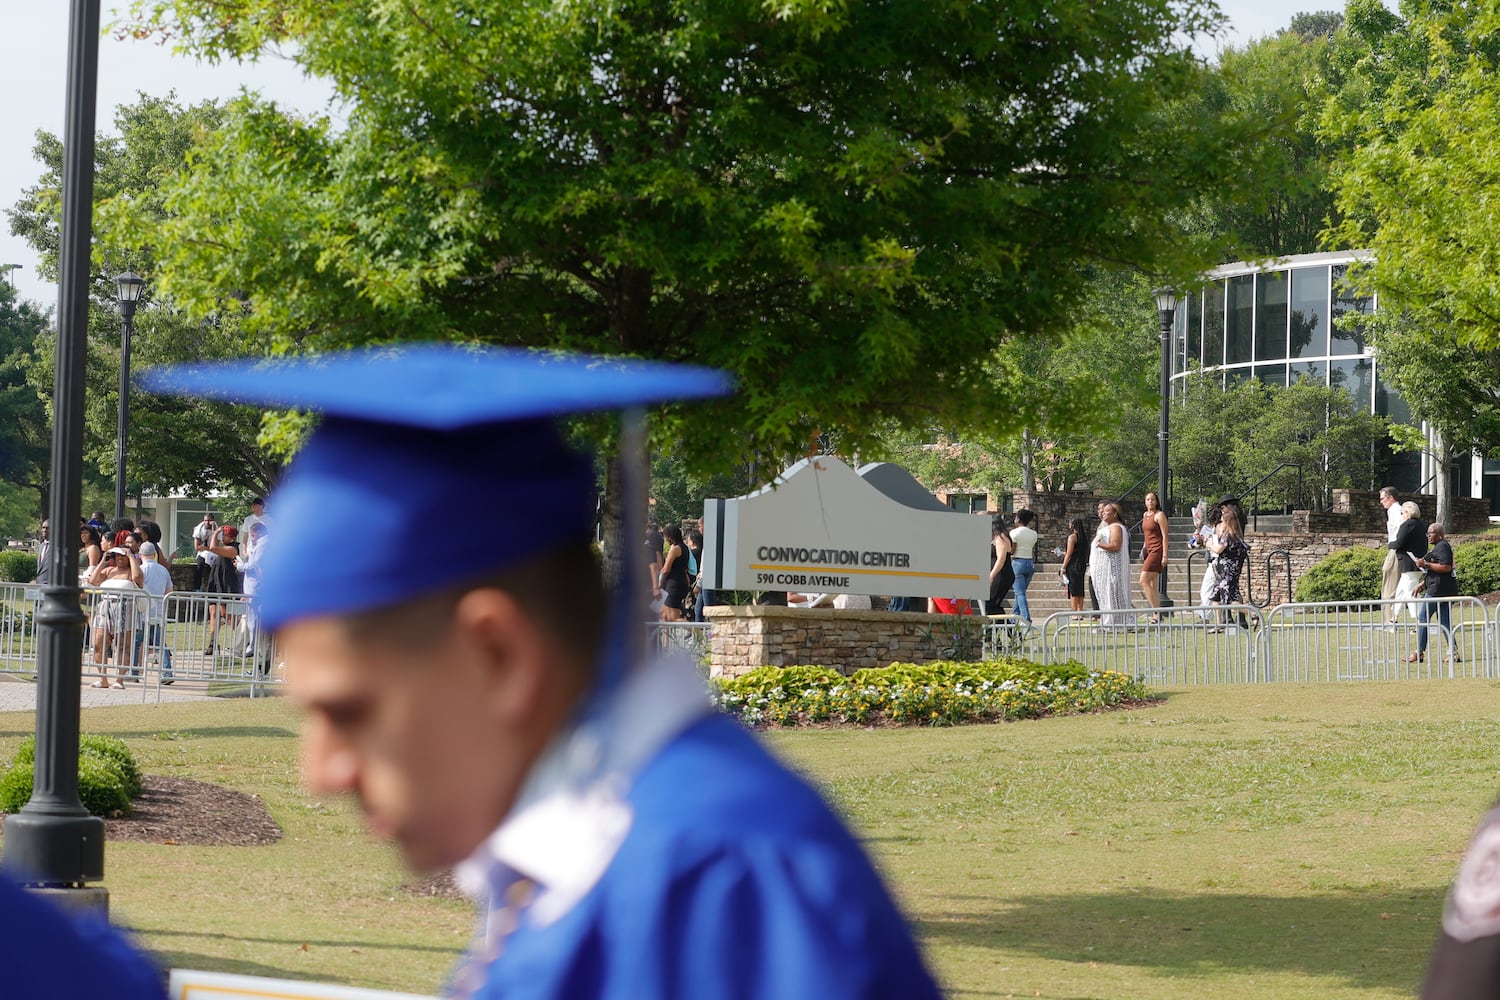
{"x":1273,"y":841}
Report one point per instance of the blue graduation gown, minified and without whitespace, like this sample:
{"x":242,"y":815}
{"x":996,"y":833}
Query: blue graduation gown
{"x":47,"y":953}
{"x":735,"y":880}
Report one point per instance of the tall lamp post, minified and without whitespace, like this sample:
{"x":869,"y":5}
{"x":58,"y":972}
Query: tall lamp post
{"x":127,"y":292}
{"x":1166,"y":308}
{"x":53,"y":841}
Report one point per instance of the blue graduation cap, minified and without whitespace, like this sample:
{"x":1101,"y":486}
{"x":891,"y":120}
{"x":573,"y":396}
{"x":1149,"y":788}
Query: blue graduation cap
{"x":413,"y":436}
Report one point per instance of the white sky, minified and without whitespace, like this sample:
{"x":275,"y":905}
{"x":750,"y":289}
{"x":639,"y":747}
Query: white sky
{"x":33,"y":69}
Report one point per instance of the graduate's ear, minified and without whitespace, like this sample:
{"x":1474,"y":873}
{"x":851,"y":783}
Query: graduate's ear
{"x":511,"y":651}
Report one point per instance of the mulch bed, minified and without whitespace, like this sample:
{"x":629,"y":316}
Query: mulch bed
{"x":181,"y":811}
{"x":184,"y":811}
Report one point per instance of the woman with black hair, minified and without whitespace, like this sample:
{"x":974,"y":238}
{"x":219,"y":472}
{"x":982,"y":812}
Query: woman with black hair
{"x":674,"y":575}
{"x":1075,"y":561}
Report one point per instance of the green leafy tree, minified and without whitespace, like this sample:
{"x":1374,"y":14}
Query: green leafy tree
{"x":173,"y":444}
{"x":1415,"y":96}
{"x":25,"y":427}
{"x":1452,"y":386}
{"x":1285,"y":200}
{"x":851,"y":206}
{"x":1320,"y":430}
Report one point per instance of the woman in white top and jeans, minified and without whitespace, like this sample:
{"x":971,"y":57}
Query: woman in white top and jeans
{"x":1023,"y":537}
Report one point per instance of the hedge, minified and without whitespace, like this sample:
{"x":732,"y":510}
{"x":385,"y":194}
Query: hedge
{"x":108,"y":778}
{"x":17,"y":567}
{"x":936,"y":694}
{"x":1353,"y":574}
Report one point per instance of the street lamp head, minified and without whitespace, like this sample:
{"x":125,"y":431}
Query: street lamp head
{"x":1166,"y":300}
{"x":128,"y":287}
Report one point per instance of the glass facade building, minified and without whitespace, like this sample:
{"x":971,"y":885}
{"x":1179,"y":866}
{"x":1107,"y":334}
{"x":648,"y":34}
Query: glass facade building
{"x":1290,"y":320}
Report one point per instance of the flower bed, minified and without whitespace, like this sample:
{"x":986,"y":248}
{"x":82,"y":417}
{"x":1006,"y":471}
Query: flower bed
{"x":929,"y":694}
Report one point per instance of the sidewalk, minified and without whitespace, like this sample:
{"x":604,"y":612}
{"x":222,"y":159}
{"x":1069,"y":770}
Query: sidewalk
{"x":19,"y":695}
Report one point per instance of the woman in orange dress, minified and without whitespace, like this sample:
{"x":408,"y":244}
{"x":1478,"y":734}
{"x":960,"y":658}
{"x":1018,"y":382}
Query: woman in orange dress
{"x":1154,"y":527}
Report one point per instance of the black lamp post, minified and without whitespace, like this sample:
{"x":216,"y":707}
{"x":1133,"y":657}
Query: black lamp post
{"x":127,"y":292}
{"x":1166,"y":307}
{"x":53,"y":841}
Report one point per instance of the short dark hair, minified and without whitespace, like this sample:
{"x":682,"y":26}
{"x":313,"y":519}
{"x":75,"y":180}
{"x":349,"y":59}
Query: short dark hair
{"x":1390,"y":491}
{"x":1024,"y":516}
{"x":152,"y":531}
{"x":563,"y":589}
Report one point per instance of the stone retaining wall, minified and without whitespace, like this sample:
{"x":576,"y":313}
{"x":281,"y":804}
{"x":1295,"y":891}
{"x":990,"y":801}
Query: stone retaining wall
{"x":743,"y":638}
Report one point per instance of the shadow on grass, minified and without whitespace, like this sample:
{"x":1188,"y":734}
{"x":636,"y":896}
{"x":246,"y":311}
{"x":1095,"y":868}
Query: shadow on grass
{"x":296,"y":943}
{"x":204,"y":733}
{"x":1370,"y":939}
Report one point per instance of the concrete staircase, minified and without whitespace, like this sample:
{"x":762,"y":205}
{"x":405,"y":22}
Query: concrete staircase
{"x":1047,"y":596}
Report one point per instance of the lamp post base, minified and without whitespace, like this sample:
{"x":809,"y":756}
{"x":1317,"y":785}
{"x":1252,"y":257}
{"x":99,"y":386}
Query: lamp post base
{"x":53,"y":848}
{"x":81,"y":901}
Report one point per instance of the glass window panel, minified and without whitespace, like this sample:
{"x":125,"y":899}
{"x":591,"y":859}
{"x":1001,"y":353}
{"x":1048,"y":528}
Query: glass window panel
{"x":1390,"y":403}
{"x":1233,"y":376}
{"x":1270,"y":316}
{"x":1179,"y":334}
{"x":1309,"y":315}
{"x":1213,"y":325}
{"x":1316,"y":371}
{"x":1354,"y":375}
{"x":1238,"y":331}
{"x":1193,"y":347}
{"x":1272,"y":374}
{"x":1347,"y":335}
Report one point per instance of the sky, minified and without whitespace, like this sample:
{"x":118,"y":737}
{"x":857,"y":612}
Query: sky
{"x":33,"y":70}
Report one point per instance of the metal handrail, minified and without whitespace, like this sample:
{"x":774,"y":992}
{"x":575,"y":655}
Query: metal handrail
{"x":1271,"y":556}
{"x":1133,"y":487}
{"x":1254,"y":491}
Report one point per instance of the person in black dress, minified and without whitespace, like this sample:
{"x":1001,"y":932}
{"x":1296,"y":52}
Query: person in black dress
{"x":1002,"y":574}
{"x":674,"y":575}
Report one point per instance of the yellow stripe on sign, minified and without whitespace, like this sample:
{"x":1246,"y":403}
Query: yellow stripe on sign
{"x":861,"y":571}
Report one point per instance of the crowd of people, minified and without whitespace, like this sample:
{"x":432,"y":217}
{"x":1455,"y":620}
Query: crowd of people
{"x":126,"y":565}
{"x":1095,"y":569}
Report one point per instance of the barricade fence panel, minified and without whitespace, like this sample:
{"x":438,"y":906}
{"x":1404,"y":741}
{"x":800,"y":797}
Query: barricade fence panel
{"x":688,"y":637}
{"x":212,"y":641}
{"x":1378,"y":640}
{"x":1188,"y":645}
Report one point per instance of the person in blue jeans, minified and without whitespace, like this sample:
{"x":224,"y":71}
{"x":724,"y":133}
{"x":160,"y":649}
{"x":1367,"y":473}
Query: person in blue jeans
{"x":1440,"y":586}
{"x":1023,"y":537}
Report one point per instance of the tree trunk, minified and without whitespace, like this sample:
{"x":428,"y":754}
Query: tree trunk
{"x":622,"y":518}
{"x":1444,"y":513}
{"x":1028,"y":473}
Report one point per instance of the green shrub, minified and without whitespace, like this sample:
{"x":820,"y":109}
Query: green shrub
{"x":1351,"y":574}
{"x":937,"y":694}
{"x":17,"y":567}
{"x":108,"y":777}
{"x":1478,"y":567}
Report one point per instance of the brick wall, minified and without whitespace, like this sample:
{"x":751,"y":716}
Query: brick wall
{"x":743,"y":638}
{"x":1303,"y":551}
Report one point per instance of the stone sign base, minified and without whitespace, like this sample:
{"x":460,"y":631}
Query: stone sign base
{"x":743,"y":638}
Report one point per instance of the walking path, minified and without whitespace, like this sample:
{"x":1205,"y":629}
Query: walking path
{"x":19,"y":695}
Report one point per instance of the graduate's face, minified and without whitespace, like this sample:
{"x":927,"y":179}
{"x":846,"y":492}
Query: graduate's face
{"x":433,"y":739}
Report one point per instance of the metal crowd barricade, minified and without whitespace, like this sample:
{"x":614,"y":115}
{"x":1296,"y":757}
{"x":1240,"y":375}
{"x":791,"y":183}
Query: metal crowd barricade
{"x":18,"y":606}
{"x":1188,"y":645}
{"x":215,"y":642}
{"x":689,"y":637}
{"x":1007,"y":635}
{"x":1355,"y":641}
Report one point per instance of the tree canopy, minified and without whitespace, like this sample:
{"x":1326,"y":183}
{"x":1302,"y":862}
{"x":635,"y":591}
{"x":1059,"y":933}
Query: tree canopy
{"x":851,"y":205}
{"x":173,"y":443}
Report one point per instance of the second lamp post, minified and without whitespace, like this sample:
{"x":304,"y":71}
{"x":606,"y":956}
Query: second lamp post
{"x":128,"y":288}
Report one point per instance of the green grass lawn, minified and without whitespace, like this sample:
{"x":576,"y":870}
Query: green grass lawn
{"x":1273,"y":841}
